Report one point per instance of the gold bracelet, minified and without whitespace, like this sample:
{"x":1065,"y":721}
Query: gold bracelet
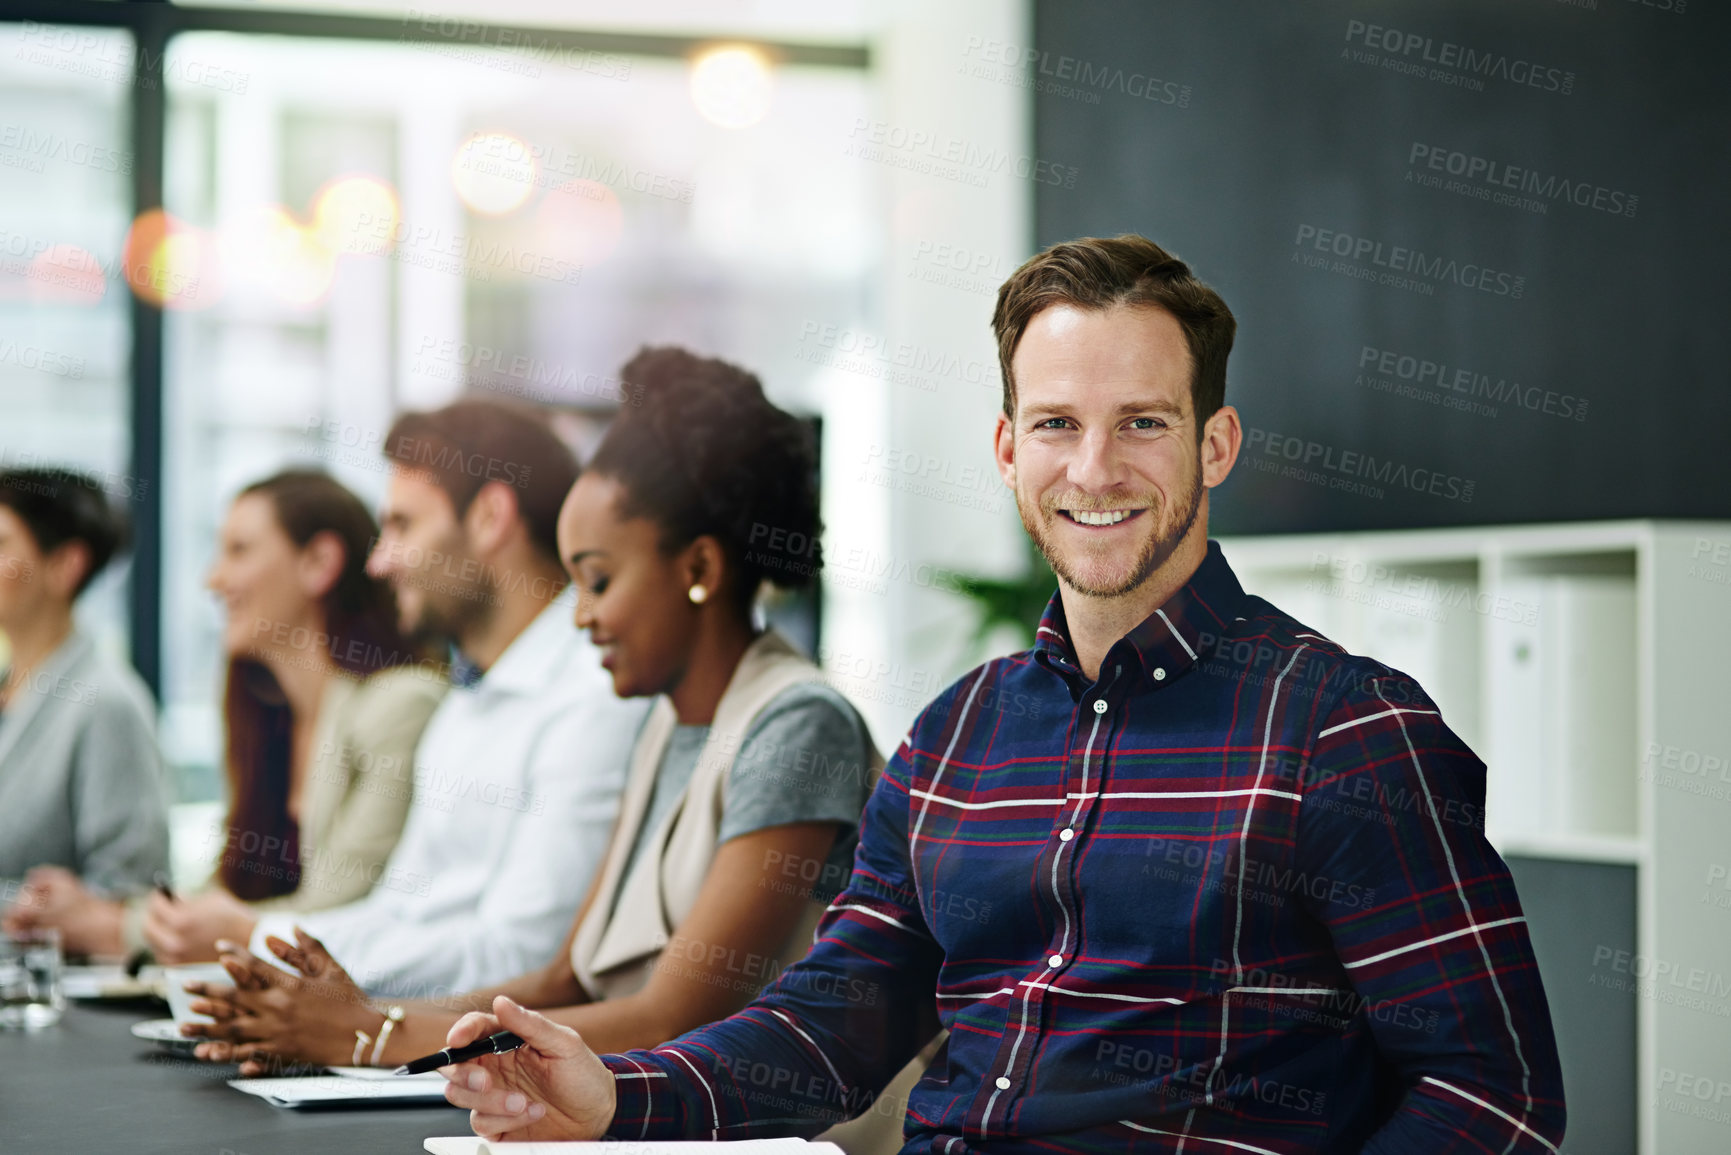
{"x":393,"y":1016}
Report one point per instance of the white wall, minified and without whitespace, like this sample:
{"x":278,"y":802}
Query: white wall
{"x":912,"y":490}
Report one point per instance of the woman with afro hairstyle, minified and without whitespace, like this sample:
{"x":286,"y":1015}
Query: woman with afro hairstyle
{"x":746,"y":783}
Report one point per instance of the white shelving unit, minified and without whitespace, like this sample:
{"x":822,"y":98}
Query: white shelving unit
{"x":1589,"y":665}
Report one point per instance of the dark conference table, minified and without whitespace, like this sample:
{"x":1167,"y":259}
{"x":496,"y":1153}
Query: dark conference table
{"x":86,"y":1085}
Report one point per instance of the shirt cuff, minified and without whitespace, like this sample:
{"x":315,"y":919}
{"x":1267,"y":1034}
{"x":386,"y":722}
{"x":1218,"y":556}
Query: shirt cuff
{"x":132,"y":915}
{"x":645,"y":1105}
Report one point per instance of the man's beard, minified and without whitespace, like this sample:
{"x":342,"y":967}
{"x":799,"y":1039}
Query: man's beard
{"x":448,"y":607}
{"x":1169,"y":523}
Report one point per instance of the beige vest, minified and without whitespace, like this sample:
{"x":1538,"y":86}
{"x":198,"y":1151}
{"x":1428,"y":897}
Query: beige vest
{"x":633,"y":916}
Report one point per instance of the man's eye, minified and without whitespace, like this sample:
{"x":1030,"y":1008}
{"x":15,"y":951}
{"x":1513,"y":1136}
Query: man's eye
{"x":1148,"y":423}
{"x":1051,"y":423}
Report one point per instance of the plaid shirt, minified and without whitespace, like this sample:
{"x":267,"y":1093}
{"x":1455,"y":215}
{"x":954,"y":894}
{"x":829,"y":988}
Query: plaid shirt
{"x":1232,"y":896}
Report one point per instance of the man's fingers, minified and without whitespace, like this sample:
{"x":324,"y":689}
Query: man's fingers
{"x":502,"y":1125}
{"x":506,"y":1108}
{"x":537,"y":1030}
{"x":470,"y":1027}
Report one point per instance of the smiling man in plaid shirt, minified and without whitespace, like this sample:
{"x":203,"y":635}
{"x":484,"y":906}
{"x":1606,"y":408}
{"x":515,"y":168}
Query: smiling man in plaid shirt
{"x":1184,"y":876}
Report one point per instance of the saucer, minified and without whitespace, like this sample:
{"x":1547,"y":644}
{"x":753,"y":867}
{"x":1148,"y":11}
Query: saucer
{"x":165,"y":1033}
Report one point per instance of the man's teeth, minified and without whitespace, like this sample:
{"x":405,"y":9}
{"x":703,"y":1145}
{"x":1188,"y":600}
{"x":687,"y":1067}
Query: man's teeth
{"x":1087,"y":517}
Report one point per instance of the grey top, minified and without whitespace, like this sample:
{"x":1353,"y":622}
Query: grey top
{"x":804,"y":759}
{"x":81,"y":780}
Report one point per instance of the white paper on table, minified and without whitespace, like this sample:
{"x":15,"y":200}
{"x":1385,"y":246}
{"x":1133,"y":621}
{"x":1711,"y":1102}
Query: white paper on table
{"x":475,"y":1145}
{"x":297,"y":1091}
{"x":105,"y":982}
{"x":89,"y":982}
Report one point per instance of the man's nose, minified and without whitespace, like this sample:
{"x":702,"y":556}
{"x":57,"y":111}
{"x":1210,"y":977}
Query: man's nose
{"x":1096,"y":465}
{"x":379,"y":560}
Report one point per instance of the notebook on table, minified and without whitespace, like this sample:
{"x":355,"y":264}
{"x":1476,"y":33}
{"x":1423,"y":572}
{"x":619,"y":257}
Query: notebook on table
{"x":346,"y":1086}
{"x":474,"y":1145}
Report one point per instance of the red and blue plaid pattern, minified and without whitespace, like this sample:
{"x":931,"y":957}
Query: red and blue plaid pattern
{"x":1232,"y":896}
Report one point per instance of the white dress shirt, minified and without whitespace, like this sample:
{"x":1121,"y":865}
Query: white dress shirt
{"x":517,"y":783}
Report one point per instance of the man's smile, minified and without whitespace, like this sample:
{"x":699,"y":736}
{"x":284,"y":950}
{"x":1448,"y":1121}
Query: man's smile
{"x":1100,"y":518}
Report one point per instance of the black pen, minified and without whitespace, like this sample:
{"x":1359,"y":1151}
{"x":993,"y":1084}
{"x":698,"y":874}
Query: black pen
{"x":142,"y":955}
{"x":491,"y":1045}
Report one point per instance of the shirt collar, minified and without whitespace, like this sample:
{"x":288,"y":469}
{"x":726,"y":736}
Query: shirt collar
{"x":536,"y":656}
{"x":1171,"y":639}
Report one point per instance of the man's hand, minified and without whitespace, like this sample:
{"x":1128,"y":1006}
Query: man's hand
{"x":53,"y":896}
{"x":310,"y":1017}
{"x":186,"y":930}
{"x":552,"y":1087}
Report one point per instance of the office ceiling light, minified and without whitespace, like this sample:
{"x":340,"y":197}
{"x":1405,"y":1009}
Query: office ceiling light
{"x":494,"y":173}
{"x":731,"y":85}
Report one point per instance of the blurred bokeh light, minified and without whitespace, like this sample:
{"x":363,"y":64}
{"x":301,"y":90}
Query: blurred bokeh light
{"x":580,"y":221}
{"x":168,"y":262}
{"x":732,"y":86}
{"x":356,"y":214}
{"x":494,"y":173}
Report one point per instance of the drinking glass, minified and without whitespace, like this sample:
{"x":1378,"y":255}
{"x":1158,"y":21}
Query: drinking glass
{"x":30,"y":994}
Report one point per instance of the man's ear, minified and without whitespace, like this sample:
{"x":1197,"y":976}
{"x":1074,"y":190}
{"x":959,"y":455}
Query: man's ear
{"x":1222,"y":436}
{"x":64,"y":566}
{"x":1004,"y":448}
{"x":492,"y":518}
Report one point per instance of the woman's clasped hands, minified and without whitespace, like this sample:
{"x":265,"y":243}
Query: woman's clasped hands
{"x":272,"y":1016}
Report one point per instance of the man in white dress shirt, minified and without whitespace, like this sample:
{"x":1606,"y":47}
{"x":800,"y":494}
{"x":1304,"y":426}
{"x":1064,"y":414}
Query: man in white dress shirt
{"x":518,"y":775}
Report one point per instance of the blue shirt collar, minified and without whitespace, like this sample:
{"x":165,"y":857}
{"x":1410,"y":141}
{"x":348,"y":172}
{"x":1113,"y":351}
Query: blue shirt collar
{"x":1173,"y":638}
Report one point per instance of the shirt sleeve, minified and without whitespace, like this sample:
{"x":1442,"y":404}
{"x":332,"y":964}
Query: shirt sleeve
{"x":577,"y":773}
{"x":805,"y":759}
{"x":823,"y":1040}
{"x":1427,"y":926}
{"x":380,"y":746}
{"x":120,"y":801}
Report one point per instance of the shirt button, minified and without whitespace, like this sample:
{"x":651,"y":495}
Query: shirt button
{"x":1003,"y":1083}
{"x":1099,"y":705}
{"x":1066,"y":834}
{"x":1159,"y":673}
{"x":1056,"y":960}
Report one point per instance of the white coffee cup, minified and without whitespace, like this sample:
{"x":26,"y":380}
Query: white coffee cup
{"x":176,"y":979}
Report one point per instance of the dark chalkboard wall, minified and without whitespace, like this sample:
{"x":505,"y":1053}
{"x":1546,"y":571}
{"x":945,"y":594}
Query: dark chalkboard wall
{"x":1477,"y":249}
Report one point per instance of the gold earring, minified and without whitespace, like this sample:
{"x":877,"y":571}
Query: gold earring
{"x":698,"y":595}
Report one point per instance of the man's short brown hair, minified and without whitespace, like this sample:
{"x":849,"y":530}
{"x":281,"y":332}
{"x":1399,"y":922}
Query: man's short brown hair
{"x":476,"y":440}
{"x":1098,"y":273}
